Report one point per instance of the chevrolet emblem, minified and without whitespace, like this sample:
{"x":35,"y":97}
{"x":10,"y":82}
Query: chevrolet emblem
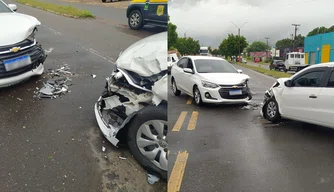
{"x":234,"y":86}
{"x":15,"y":49}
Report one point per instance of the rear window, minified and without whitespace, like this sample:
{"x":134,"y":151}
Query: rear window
{"x":297,"y":56}
{"x":301,"y":56}
{"x":292,"y":56}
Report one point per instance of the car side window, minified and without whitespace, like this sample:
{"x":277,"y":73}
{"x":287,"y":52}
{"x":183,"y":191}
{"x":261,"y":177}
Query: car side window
{"x":182,"y":63}
{"x":173,"y":60}
{"x":311,"y":79}
{"x":331,"y":80}
{"x":190,"y":64}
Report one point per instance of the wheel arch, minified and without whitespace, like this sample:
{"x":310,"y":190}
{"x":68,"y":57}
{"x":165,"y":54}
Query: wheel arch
{"x":132,"y":8}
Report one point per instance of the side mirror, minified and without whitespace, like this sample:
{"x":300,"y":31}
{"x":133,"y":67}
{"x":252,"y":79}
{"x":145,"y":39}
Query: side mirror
{"x":188,"y":70}
{"x":288,"y":83}
{"x":239,"y":71}
{"x":13,"y":7}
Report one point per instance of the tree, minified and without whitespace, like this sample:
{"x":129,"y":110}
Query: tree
{"x":187,"y":46}
{"x":318,"y":30}
{"x":284,"y":43}
{"x":300,"y":41}
{"x":230,"y":45}
{"x":172,"y":36}
{"x":215,"y":52}
{"x":210,"y":49}
{"x":258,"y":46}
{"x":331,"y":29}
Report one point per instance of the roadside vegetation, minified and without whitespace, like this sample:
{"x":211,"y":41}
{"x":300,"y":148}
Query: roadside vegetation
{"x":67,"y":11}
{"x":272,"y":73}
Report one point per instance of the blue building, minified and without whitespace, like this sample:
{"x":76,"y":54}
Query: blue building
{"x":319,"y":48}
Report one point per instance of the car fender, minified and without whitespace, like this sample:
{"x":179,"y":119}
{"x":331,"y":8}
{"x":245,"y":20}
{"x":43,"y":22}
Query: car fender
{"x":133,"y":7}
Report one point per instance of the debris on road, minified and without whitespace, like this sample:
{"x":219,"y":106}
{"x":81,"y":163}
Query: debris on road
{"x":19,"y":99}
{"x":56,"y":85}
{"x":103,"y":149}
{"x":123,"y":158}
{"x":151,"y":179}
{"x":94,"y":76}
{"x":253,"y":106}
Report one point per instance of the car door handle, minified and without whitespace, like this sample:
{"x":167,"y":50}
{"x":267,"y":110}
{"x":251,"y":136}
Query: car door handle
{"x":312,"y":96}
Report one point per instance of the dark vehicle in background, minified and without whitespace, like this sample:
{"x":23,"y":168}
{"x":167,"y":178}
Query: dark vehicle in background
{"x":277,"y":65}
{"x":147,"y":12}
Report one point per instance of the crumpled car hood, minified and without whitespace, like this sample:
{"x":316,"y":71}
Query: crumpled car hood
{"x":146,"y":57}
{"x":16,"y":27}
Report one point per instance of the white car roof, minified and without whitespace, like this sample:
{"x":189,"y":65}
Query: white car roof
{"x":205,"y":57}
{"x":330,"y":64}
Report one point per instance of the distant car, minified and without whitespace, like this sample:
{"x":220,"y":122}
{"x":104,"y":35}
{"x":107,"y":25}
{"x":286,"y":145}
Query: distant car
{"x":147,"y":12}
{"x":277,"y":65}
{"x":110,"y":0}
{"x":21,"y":56}
{"x":171,"y":60}
{"x":243,"y":60}
{"x":307,"y":96}
{"x":210,"y":80}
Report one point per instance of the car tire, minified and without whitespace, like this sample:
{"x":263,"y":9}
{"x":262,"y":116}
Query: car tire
{"x":136,"y":20}
{"x":271,"y":110}
{"x":174,"y":87}
{"x":197,"y":96}
{"x":156,"y":117}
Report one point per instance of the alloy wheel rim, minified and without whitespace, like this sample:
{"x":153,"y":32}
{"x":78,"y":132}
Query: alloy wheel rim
{"x":134,"y":20}
{"x":271,"y":109}
{"x":174,"y":87}
{"x":197,"y":96}
{"x":152,"y":142}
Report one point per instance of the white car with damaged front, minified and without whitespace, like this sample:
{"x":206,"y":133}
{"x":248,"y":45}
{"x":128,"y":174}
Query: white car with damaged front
{"x":307,"y":96}
{"x":20,"y":54}
{"x":210,"y":80}
{"x":133,"y":108}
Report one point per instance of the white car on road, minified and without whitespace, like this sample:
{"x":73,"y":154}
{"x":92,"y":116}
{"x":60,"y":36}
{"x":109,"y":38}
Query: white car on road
{"x":210,"y":80}
{"x":20,"y":54}
{"x":307,"y":96}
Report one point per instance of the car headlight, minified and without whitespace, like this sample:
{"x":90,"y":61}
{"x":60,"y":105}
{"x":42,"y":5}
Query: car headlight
{"x":31,"y":37}
{"x":209,"y":84}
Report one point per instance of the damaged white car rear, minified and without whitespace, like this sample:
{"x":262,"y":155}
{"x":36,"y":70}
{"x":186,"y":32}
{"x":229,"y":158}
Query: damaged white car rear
{"x":20,"y":54}
{"x":133,"y":107}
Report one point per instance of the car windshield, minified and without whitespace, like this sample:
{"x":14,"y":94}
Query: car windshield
{"x":213,"y":66}
{"x":4,"y":8}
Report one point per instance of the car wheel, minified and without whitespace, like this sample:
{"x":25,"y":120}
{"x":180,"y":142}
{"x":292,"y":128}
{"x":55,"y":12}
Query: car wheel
{"x":271,"y":110}
{"x":197,"y":96}
{"x":174,"y":87}
{"x":135,"y":20}
{"x":147,"y":139}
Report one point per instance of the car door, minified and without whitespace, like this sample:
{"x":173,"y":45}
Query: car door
{"x":325,"y":114}
{"x":300,"y":101}
{"x":157,"y":11}
{"x":188,"y":77}
{"x":178,"y":74}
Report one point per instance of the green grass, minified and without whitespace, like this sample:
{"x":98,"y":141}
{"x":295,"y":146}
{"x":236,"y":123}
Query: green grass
{"x":67,"y":11}
{"x":276,"y":74}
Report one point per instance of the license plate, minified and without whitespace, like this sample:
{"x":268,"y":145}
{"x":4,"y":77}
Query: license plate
{"x":235,"y":92}
{"x":18,"y":62}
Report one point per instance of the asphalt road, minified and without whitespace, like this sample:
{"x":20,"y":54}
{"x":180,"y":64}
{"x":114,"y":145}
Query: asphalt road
{"x":56,"y":145}
{"x":232,"y":148}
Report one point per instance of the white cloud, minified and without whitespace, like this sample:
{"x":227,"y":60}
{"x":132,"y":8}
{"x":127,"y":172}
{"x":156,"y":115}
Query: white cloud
{"x":210,"y":20}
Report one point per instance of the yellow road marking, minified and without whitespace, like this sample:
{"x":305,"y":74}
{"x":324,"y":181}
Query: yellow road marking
{"x":175,"y":179}
{"x":189,"y":101}
{"x":179,"y":121}
{"x":193,"y":120}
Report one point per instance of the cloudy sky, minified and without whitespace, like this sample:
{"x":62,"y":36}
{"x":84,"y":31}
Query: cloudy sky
{"x":209,"y":21}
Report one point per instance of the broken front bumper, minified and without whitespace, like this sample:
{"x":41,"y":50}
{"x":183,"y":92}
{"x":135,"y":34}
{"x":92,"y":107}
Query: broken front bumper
{"x":108,"y":131}
{"x":267,"y":95}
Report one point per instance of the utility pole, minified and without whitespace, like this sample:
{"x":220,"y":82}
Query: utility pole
{"x":267,"y":38}
{"x":239,"y":34}
{"x":294,"y":40}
